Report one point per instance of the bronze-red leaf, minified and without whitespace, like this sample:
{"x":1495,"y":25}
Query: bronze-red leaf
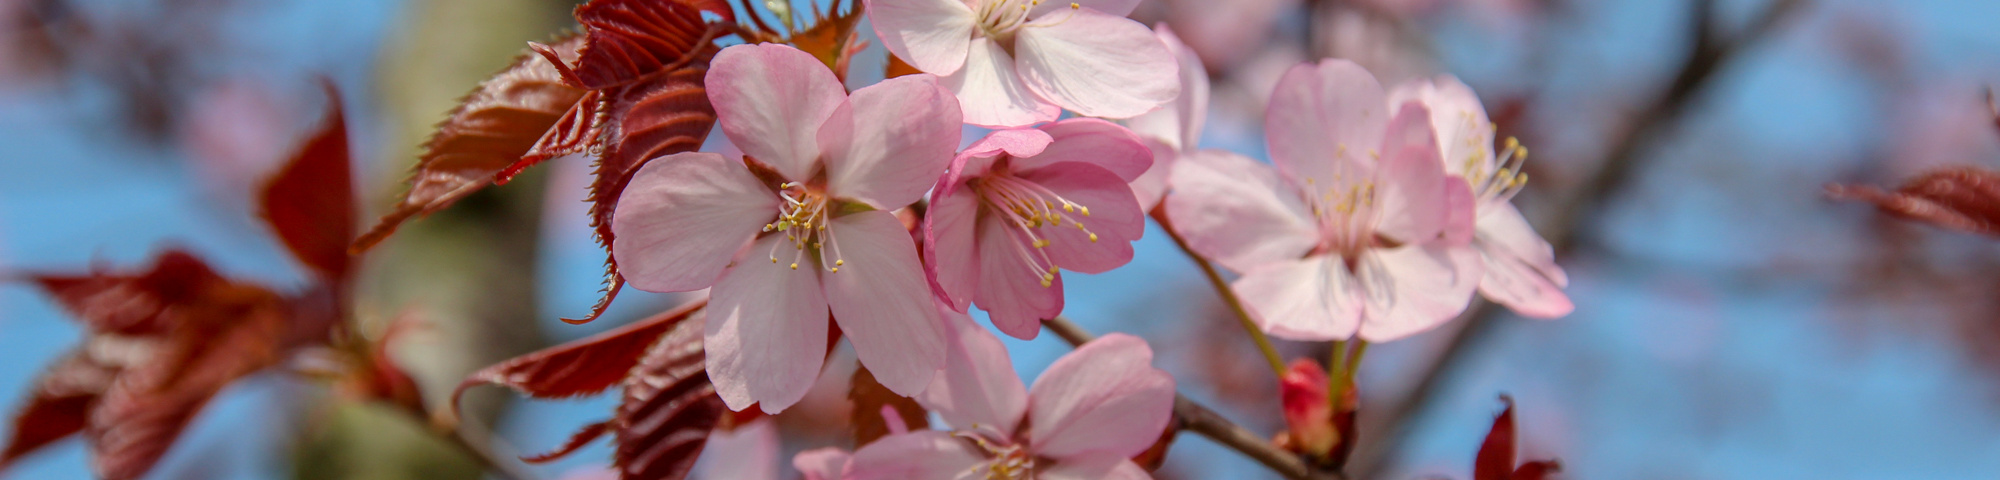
{"x":669,"y":408}
{"x":575,"y":132}
{"x":1964,"y":198}
{"x":666,"y":115}
{"x":582,"y":367}
{"x":1537,"y":470}
{"x":132,"y":304}
{"x":1496,"y":454}
{"x":867,"y":421}
{"x":310,"y":203}
{"x":491,"y":129}
{"x":628,"y":40}
{"x":576,"y":442}
{"x":59,"y":406}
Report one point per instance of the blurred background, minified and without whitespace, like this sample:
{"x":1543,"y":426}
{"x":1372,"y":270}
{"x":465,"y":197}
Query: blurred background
{"x":1730,"y":323}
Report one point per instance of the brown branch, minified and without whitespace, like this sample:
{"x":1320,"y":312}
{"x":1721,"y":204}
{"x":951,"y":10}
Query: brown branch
{"x":1194,"y":417}
{"x":1707,"y":58}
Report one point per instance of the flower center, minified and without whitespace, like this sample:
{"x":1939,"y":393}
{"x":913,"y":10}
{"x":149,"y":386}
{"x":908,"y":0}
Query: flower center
{"x":1493,"y":180}
{"x":1010,"y":460}
{"x":999,"y":19}
{"x":805,"y":222}
{"x":1345,"y":207}
{"x":1028,"y":208}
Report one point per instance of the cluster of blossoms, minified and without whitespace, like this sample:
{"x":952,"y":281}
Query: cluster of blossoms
{"x":1384,"y":212}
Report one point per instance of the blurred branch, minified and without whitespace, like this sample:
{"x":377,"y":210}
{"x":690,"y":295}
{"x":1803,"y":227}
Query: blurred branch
{"x":473,"y":444}
{"x":1194,"y":417}
{"x":1710,"y":53}
{"x":1228,"y":296}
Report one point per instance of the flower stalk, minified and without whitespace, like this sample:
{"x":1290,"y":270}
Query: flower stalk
{"x":1271,"y":356}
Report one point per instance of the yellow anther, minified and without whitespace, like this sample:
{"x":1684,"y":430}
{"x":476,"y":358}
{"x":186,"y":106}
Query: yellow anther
{"x":834,"y":270}
{"x":785,"y":225}
{"x":1046,"y":282}
{"x":774,"y":260}
{"x":1041,"y":242}
{"x":1074,"y":6}
{"x":1513,"y":143}
{"x":1093,"y":238}
{"x":1069,"y":208}
{"x":795,"y":265}
{"x":839,"y":262}
{"x":1086,"y":211}
{"x":1521,"y":152}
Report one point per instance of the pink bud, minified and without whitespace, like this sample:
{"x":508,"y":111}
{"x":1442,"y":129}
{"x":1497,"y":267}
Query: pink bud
{"x":1308,"y":411}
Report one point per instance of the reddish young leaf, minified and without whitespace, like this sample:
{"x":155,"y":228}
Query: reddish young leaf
{"x":667,"y":115}
{"x":575,"y":132}
{"x":310,"y":203}
{"x":59,"y":406}
{"x":718,"y":7}
{"x":581,"y":367}
{"x":1496,"y":454}
{"x":628,"y":40}
{"x":132,"y":305}
{"x":896,"y":67}
{"x":831,"y":38}
{"x":1538,"y":470}
{"x":669,"y":408}
{"x":1964,"y":198}
{"x":866,"y":422}
{"x":491,"y":129}
{"x":576,"y":442}
{"x":233,"y":332}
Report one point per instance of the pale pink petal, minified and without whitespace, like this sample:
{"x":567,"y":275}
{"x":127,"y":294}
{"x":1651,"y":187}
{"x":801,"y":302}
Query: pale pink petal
{"x":1096,"y":64}
{"x":933,"y":35}
{"x":1103,"y":398}
{"x":1313,"y":299}
{"x":978,"y":389}
{"x":991,"y":94}
{"x":882,"y":302}
{"x":683,"y":217}
{"x":748,"y":453}
{"x":1521,"y":270}
{"x":1237,"y":212}
{"x":1151,"y":187}
{"x":766,"y":330}
{"x":1322,"y":116}
{"x":1118,"y":8}
{"x":822,"y":463}
{"x":919,"y":455}
{"x":1464,"y":210}
{"x":1411,"y":197}
{"x":1179,"y":122}
{"x":1010,"y":289}
{"x":771,"y":100}
{"x":1426,"y":287}
{"x":1107,"y":210}
{"x":976,"y":159}
{"x":1094,"y":467}
{"x":1092,"y":141}
{"x":1464,"y":134}
{"x":950,"y":228}
{"x":897,"y":140}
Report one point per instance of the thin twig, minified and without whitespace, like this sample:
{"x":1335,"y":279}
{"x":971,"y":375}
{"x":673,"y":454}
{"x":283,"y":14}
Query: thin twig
{"x":1228,"y":296}
{"x":1705,"y":60}
{"x":1194,"y":417}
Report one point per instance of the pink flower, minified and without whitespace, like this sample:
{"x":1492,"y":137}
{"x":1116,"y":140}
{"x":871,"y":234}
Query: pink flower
{"x":1086,"y":416}
{"x":1014,"y":62}
{"x":1521,"y":270}
{"x":1357,"y":232}
{"x":1174,"y":128}
{"x":828,"y":169}
{"x":1021,"y":203}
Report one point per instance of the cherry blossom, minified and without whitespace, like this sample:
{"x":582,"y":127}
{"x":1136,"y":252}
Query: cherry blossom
{"x":1521,"y":270}
{"x":1175,"y":127}
{"x":1019,"y":62}
{"x":1085,"y":417}
{"x":1019,"y":204}
{"x":1357,"y":232}
{"x":799,"y":227}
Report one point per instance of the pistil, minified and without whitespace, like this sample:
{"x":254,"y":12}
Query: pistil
{"x":1027,"y":207}
{"x":804,"y":221}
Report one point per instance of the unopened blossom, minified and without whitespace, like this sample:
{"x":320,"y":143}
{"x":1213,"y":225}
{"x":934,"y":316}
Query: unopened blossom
{"x":1521,"y":270}
{"x":1020,"y":205}
{"x":1086,"y":416}
{"x":1174,"y":129}
{"x":1357,"y":232}
{"x":1020,"y":62}
{"x":799,"y":227}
